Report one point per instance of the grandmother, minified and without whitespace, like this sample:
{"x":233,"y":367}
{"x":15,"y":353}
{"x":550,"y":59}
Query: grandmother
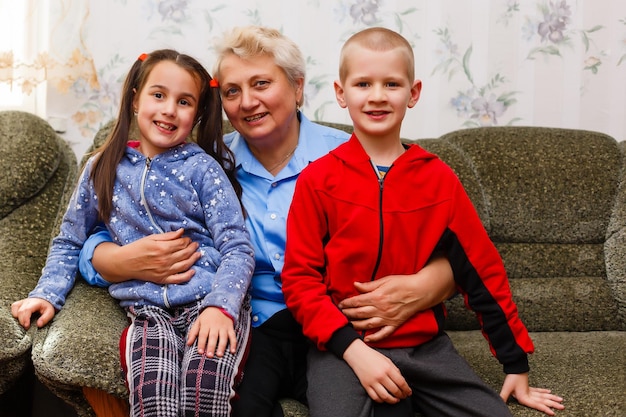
{"x":261,"y":77}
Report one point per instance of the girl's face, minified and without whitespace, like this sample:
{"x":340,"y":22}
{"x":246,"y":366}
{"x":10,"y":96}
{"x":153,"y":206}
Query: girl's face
{"x":259,"y":100}
{"x":166,"y":107}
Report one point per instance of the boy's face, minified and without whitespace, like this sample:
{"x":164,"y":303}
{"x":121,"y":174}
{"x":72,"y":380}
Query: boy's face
{"x":377,"y":91}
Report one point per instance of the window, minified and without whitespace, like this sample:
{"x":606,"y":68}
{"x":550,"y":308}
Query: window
{"x":23,"y":33}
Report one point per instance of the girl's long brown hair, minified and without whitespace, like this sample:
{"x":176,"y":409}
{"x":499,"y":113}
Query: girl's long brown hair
{"x":209,"y":134}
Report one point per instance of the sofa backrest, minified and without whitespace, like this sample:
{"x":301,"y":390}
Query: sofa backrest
{"x":38,"y":174}
{"x":549,"y":196}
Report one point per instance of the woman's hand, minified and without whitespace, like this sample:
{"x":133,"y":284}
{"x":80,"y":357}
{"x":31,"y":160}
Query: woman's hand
{"x":388,"y":302}
{"x":164,"y":258}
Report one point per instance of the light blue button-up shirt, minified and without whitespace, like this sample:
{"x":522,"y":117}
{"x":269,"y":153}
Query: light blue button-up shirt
{"x":266,"y":199}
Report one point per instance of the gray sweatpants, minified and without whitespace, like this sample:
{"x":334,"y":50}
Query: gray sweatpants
{"x":442,"y":382}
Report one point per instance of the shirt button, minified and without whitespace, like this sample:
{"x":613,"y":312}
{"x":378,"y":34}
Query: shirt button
{"x":255,"y":318}
{"x":277,"y":256}
{"x":273,"y":216}
{"x":274,"y":184}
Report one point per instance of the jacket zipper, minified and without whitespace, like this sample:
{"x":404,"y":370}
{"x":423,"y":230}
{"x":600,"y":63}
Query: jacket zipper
{"x":144,"y":203}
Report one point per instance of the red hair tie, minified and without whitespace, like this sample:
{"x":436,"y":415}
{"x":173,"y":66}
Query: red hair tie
{"x":213,"y":83}
{"x":142,"y":57}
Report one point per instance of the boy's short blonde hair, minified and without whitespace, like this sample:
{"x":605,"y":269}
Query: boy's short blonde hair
{"x":377,"y":39}
{"x":249,"y":42}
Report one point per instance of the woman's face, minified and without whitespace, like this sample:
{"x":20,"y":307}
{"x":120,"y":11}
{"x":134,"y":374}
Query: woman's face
{"x":259,"y":100}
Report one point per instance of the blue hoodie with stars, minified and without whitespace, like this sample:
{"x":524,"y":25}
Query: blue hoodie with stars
{"x":182,"y":187}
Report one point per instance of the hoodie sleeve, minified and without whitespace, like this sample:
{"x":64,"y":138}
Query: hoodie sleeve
{"x":305,"y":292}
{"x":59,"y":273}
{"x":224,"y":219}
{"x":480,"y":276}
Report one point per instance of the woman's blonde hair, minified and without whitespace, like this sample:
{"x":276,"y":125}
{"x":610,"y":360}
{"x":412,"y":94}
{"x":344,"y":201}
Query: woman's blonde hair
{"x":251,"y":41}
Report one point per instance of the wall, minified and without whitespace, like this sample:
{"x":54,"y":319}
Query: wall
{"x":482,"y":62}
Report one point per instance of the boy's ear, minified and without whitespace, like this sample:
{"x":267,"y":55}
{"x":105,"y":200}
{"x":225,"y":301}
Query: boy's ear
{"x":339,"y":94}
{"x":416,"y":90}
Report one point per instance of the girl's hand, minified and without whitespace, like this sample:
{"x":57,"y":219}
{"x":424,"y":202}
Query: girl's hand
{"x":214,"y":331}
{"x":23,"y":310}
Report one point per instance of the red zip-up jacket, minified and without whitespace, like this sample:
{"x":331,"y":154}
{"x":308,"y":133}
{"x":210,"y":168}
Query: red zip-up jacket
{"x":346,"y":225}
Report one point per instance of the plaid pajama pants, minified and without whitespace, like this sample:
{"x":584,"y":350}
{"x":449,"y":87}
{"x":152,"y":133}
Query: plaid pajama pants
{"x":166,"y":377}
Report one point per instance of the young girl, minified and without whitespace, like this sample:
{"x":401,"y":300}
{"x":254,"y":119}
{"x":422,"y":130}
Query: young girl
{"x":175,"y":348}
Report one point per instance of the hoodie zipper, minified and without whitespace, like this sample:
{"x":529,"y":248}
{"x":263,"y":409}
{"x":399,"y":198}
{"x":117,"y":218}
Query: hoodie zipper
{"x":381,"y":181}
{"x":380,"y":219}
{"x":144,"y":203}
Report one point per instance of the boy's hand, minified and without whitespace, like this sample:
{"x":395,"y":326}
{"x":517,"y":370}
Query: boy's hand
{"x":516,"y":385}
{"x":24,"y":309}
{"x":214,"y":331}
{"x":378,"y":375}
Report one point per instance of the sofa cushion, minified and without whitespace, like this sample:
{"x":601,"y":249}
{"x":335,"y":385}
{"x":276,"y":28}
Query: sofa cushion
{"x":30,"y":156}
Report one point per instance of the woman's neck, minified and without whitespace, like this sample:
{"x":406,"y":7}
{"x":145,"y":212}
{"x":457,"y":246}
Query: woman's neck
{"x":274,"y":155}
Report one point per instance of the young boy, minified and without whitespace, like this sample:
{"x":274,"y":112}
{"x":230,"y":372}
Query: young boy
{"x":375,"y":207}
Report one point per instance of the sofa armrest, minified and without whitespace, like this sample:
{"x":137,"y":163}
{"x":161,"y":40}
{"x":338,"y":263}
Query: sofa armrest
{"x":80,"y":347}
{"x":615,"y":244}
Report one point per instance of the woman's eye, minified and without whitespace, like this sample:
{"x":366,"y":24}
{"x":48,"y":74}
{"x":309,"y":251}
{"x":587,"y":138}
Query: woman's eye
{"x":158,"y":95}
{"x":184,"y":102}
{"x":262,"y":83}
{"x":229,"y":92}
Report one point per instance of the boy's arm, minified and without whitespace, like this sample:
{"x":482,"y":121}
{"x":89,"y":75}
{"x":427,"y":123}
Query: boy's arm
{"x":482,"y":279}
{"x":306,"y":293}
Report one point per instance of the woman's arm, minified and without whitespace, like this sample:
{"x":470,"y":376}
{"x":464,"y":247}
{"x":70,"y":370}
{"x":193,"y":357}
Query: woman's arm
{"x":160,"y":258}
{"x":388,"y":302}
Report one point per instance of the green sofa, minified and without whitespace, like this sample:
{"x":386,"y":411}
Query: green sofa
{"x":554,"y":203}
{"x":38,"y":171}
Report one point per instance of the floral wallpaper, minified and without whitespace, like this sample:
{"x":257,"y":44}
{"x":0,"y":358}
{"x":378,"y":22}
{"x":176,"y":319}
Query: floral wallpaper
{"x":558,"y":63}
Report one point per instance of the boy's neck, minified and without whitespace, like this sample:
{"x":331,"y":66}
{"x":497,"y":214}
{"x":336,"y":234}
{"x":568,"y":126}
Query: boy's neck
{"x":383,"y":151}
